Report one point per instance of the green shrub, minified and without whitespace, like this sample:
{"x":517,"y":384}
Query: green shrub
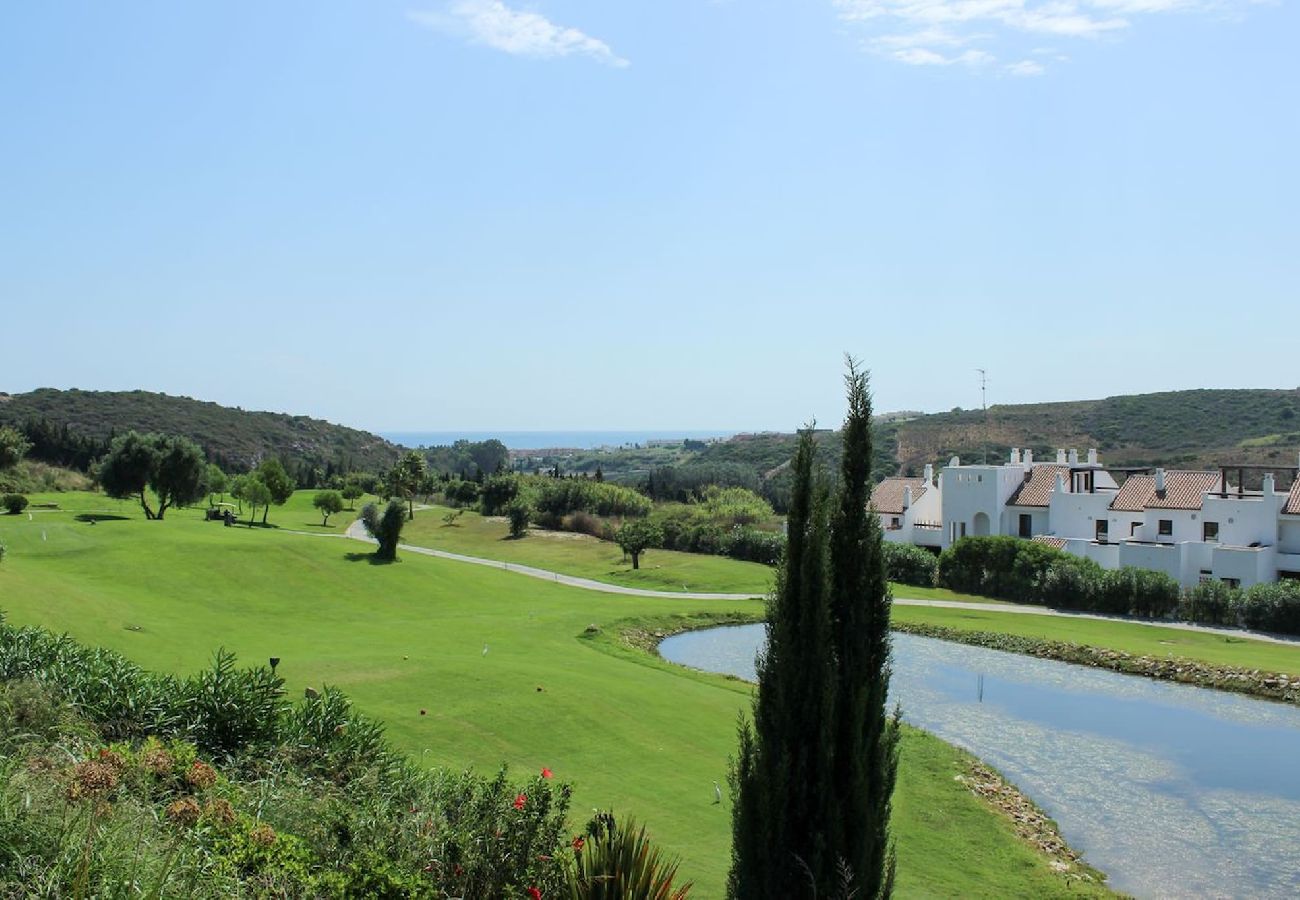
{"x":1070,"y":582}
{"x":557,"y":497}
{"x":520,"y":513}
{"x":617,"y":861}
{"x":734,"y":506}
{"x":752,"y":545}
{"x":14,"y":503}
{"x":909,"y":564}
{"x":385,"y":527}
{"x":1211,"y":602}
{"x":497,"y":493}
{"x":1272,"y":607}
{"x":460,"y":493}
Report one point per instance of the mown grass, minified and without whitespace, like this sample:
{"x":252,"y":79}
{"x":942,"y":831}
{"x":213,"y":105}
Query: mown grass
{"x":585,"y":556}
{"x":496,"y":663}
{"x":1129,"y":637}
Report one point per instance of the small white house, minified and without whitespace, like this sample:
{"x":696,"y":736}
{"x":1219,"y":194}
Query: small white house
{"x":910,"y":509}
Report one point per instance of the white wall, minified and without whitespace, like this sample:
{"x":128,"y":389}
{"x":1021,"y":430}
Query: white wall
{"x":1245,"y":521}
{"x":969,"y":490}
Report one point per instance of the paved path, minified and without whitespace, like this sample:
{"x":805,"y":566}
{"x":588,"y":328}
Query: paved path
{"x":357,"y":531}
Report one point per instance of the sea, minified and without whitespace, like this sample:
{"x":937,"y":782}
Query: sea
{"x":536,"y":440}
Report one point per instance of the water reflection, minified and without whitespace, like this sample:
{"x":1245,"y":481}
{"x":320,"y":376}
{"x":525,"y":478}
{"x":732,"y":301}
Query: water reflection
{"x":1171,"y":790}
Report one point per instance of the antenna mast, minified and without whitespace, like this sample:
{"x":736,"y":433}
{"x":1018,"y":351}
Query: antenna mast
{"x":984,"y":406}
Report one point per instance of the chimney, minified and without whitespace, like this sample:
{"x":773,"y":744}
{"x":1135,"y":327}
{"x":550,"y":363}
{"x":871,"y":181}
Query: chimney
{"x":1060,"y":457}
{"x":1160,"y":481}
{"x":1270,"y":484}
{"x":954,"y":462}
{"x":1015,"y":456}
{"x":1092,"y":456}
{"x":1074,"y":457}
{"x":907,"y":498}
{"x":1029,"y":457}
{"x":929,"y":474}
{"x":1060,"y":483}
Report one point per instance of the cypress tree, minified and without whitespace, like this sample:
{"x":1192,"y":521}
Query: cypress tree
{"x":814,"y":773}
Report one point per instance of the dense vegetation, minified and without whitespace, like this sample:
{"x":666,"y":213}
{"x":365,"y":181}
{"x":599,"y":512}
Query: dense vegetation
{"x":1021,"y":571}
{"x":115,"y":779}
{"x":72,"y":428}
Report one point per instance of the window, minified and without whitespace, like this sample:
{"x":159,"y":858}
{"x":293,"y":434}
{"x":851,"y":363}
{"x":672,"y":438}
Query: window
{"x":1103,"y":530}
{"x":1026,"y":525}
{"x":963,"y":529}
{"x":1166,"y":528}
{"x":895,"y":524}
{"x":1133,"y":528}
{"x":1209,"y":531}
{"x":1232,"y":582}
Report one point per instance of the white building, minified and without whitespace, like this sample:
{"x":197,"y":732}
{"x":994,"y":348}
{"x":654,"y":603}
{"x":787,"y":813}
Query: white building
{"x":910,"y":509}
{"x":1192,"y":525}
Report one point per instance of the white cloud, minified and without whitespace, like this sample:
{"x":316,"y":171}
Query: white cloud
{"x":924,"y":32}
{"x":518,"y":32}
{"x":1025,"y":68}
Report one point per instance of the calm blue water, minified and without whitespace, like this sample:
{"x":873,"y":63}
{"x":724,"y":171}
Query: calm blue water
{"x":535,"y":440}
{"x":1172,"y":790}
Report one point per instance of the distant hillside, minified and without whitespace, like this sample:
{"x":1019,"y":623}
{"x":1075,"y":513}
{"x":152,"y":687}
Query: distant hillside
{"x":1177,"y":428}
{"x":233,"y":438}
{"x":1190,"y":429}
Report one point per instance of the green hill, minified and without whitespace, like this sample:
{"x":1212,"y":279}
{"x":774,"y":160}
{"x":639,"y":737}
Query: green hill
{"x":1192,"y":429}
{"x":70,"y":426}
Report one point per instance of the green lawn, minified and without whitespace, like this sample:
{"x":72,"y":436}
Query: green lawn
{"x":496,"y":660}
{"x":585,"y":556}
{"x":1129,"y":637}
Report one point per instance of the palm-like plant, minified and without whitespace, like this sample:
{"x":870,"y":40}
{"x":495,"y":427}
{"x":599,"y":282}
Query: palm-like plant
{"x":618,"y":862}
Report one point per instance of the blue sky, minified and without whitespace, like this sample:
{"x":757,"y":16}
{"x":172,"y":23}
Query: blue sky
{"x":492,"y":214}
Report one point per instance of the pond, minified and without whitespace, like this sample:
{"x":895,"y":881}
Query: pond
{"x":1171,"y":790}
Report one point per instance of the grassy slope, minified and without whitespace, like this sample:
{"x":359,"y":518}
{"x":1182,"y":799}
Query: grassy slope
{"x":630,"y":731}
{"x":1130,"y":637}
{"x":584,"y":556}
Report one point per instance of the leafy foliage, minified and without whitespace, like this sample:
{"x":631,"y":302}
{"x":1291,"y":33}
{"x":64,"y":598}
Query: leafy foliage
{"x":328,"y":502}
{"x":385,"y":527}
{"x":172,"y":467}
{"x":637,"y":536}
{"x":814,"y":775}
{"x":219,"y":788}
{"x":617,"y":861}
{"x":13,"y":446}
{"x":520,"y":513}
{"x":909,"y":564}
{"x":13,"y":503}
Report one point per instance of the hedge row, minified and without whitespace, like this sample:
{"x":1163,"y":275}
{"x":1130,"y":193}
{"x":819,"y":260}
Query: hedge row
{"x":1009,"y":568}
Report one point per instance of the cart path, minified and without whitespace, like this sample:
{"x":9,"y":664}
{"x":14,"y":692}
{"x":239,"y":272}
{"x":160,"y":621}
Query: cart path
{"x":357,"y":532}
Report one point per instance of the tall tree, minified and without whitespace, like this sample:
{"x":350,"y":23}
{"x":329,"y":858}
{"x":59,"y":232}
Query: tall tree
{"x":277,"y":481}
{"x":125,"y":470}
{"x":179,"y":473}
{"x":218,"y":482}
{"x":814,"y":774}
{"x":408,"y":476}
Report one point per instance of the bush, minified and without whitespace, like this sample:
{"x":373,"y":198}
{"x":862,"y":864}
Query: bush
{"x":386,"y":527}
{"x":520,"y":513}
{"x":1272,"y":607}
{"x":1070,"y":582}
{"x":14,"y":503}
{"x":752,"y":545}
{"x":557,"y":497}
{"x":585,"y":523}
{"x":618,"y":860}
{"x":461,"y":493}
{"x":1212,"y":602}
{"x":908,"y":564}
{"x":497,"y":494}
{"x":1134,"y":591}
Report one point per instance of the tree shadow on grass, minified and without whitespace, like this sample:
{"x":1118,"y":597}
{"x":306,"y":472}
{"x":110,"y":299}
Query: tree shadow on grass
{"x":99,"y":517}
{"x":371,"y":558}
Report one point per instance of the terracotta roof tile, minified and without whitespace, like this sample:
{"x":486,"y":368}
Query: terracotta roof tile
{"x":1183,"y":490}
{"x":888,"y":495}
{"x":1292,"y":507}
{"x":1037,"y":489}
{"x":1058,"y":543}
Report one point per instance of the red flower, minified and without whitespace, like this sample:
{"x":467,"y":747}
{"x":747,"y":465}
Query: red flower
{"x":520,"y":801}
{"x":534,"y":893}
{"x":546,"y":773}
{"x":458,"y":871}
{"x":577,"y":844}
